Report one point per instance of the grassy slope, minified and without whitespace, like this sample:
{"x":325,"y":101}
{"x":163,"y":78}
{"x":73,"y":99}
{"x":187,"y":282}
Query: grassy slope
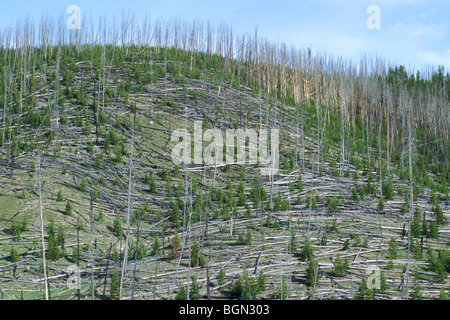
{"x":160,"y":108}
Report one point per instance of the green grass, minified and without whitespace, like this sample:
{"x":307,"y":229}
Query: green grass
{"x":9,"y":205}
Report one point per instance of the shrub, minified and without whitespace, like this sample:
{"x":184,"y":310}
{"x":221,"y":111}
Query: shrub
{"x":311,"y":273}
{"x":156,"y":246}
{"x":17,"y":228}
{"x":117,"y":227}
{"x":340,"y":267}
{"x":388,"y":190}
{"x":416,"y":223}
{"x":59,"y":196}
{"x":307,"y":251}
{"x":14,"y":255}
{"x":83,"y":184}
{"x":363,"y":293}
{"x":197,"y":258}
{"x":437,"y":210}
{"x":333,"y":204}
{"x":381,"y":204}
{"x":393,"y":248}
{"x":221,"y":276}
{"x":68,"y":210}
{"x":114,"y":289}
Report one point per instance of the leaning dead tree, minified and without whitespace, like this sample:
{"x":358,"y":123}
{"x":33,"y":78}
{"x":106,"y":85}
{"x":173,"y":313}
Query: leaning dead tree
{"x":44,"y":264}
{"x":127,"y":237}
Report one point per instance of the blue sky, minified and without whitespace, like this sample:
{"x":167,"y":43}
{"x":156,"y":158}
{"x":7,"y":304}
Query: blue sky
{"x":415,"y":33}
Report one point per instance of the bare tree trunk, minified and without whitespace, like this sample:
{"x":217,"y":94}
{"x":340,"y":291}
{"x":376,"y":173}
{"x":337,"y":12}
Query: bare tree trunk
{"x":42,"y":229}
{"x":127,"y":240}
{"x":90,"y":248}
{"x":411,"y":200}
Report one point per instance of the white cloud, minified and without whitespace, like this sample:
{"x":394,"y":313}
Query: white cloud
{"x":404,"y":2}
{"x":435,"y":58}
{"x":415,"y":30}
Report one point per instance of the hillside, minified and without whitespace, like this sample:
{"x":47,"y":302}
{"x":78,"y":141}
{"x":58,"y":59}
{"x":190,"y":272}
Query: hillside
{"x":86,"y":169}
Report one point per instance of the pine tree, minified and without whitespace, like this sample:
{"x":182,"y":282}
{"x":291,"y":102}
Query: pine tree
{"x":254,"y":194}
{"x":241,"y":239}
{"x":434,"y":229}
{"x":100,"y":217}
{"x":242,"y":198}
{"x":333,"y":204}
{"x":194,"y":290}
{"x":388,"y":192}
{"x":156,"y":246}
{"x":52,"y":246}
{"x":440,"y":272}
{"x":355,"y":176}
{"x":437,"y":210}
{"x":383,"y":284}
{"x":334,"y":226}
{"x":69,"y":209}
{"x":117,"y":227}
{"x":324,"y":240}
{"x":346,"y":245}
{"x":95,"y":195}
{"x":310,"y":273}
{"x":299,"y":184}
{"x":152,"y":184}
{"x":340,"y":267}
{"x":291,"y":186}
{"x":17,"y":228}
{"x":416,"y":223}
{"x":181,"y":293}
{"x":293,"y":241}
{"x":175,"y":214}
{"x":283,"y":291}
{"x":438,"y":264}
{"x":250,"y":287}
{"x":14,"y":255}
{"x":307,"y":251}
{"x":277,"y":202}
{"x":146,"y":179}
{"x":393,"y":248}
{"x":175,"y":247}
{"x":114,"y":289}
{"x":381,"y":204}
{"x":298,"y":201}
{"x":196,"y":255}
{"x":83,"y":184}
{"x":238,"y":287}
{"x":442,"y":294}
{"x":268,"y":222}
{"x":405,"y":205}
{"x":261,"y":282}
{"x":369,"y":187}
{"x":137,"y":251}
{"x":221,"y":276}
{"x":416,"y":293}
{"x":115,"y":256}
{"x":355,"y":194}
{"x":363,"y":293}
{"x":248,"y":237}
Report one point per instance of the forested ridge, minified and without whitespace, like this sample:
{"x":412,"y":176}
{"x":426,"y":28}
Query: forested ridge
{"x":88,"y":183}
